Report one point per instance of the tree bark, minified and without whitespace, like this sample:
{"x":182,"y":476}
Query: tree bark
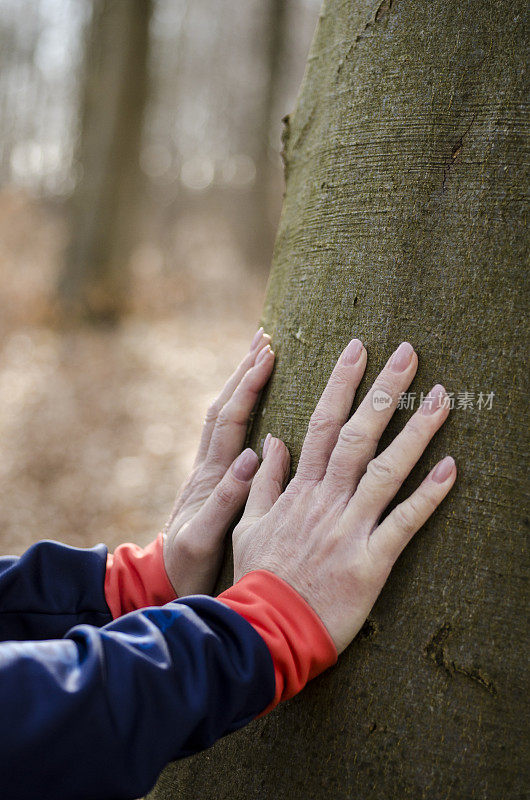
{"x":404,"y":218}
{"x":94,"y":280}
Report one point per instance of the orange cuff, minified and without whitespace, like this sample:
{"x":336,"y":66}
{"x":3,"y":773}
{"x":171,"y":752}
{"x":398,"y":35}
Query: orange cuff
{"x":299,"y":643}
{"x":136,"y":577}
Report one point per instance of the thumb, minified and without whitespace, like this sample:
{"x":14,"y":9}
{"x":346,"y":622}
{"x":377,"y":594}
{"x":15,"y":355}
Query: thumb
{"x":219,"y":510}
{"x":270,"y":480}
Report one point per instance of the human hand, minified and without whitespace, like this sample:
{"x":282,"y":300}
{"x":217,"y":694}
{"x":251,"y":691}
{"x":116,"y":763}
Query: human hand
{"x":323,"y":534}
{"x":218,"y":486}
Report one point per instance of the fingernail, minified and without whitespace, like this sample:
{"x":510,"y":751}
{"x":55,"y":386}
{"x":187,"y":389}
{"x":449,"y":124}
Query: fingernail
{"x":262,"y":355}
{"x":402,"y":357}
{"x":257,"y":337}
{"x":353,"y":351}
{"x":266,"y":444}
{"x":442,"y":470}
{"x":434,"y":400}
{"x":245,"y":465}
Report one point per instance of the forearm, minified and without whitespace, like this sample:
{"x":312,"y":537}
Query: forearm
{"x":99,"y":713}
{"x":53,"y":587}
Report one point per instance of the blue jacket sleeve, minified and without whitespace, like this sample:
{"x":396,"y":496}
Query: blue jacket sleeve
{"x":51,"y":588}
{"x":99,"y":713}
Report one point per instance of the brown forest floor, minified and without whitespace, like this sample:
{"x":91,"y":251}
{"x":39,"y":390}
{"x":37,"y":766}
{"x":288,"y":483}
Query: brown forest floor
{"x":99,"y":427}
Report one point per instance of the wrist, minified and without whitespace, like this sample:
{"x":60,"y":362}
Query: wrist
{"x":136,"y":577}
{"x":299,"y":643}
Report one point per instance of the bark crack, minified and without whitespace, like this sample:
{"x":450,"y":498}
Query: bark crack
{"x":435,"y":650}
{"x":304,"y":129}
{"x":374,"y":727}
{"x":457,"y":149}
{"x":368,"y":630}
{"x":286,"y":135}
{"x":382,"y":10}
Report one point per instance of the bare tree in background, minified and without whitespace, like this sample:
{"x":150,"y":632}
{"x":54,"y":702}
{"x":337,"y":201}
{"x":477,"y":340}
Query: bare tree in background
{"x":259,"y":218}
{"x":94,"y":280}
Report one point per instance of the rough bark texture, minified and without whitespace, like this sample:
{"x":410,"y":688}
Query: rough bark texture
{"x":404,"y":217}
{"x":95,"y":279}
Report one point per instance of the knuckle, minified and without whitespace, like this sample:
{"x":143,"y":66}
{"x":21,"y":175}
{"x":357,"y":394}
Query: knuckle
{"x":383,"y":471}
{"x":322,"y":423}
{"x":248,"y":389}
{"x":317,"y":512}
{"x":225,"y":496}
{"x":424,"y":501}
{"x":415,"y":429}
{"x":244,"y":366}
{"x":352,"y":436}
{"x":223,"y":417}
{"x":212,"y":412}
{"x":385,"y":383}
{"x":216,"y":462}
{"x":342,"y":376}
{"x":247,"y":379}
{"x":227,"y":416}
{"x":210,"y":475}
{"x":293,"y":488}
{"x":407,"y":517}
{"x":306,"y":474}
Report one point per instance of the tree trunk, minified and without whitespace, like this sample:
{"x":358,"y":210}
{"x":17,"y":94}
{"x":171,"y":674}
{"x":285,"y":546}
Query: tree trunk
{"x":94,"y":281}
{"x":404,"y":219}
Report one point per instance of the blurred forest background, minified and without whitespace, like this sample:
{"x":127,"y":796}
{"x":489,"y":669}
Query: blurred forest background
{"x":140,"y":188}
